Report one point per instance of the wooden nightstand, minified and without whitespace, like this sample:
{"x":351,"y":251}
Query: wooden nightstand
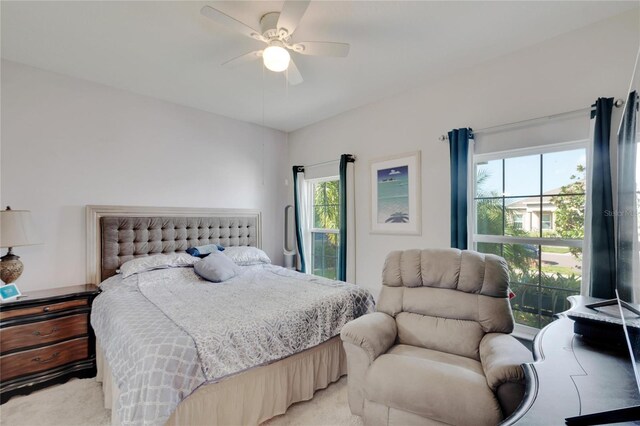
{"x":46,"y":339}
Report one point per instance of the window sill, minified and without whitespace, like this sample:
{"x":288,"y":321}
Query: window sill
{"x":525,"y":332}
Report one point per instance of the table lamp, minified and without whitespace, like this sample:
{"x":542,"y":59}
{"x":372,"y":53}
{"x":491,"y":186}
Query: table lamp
{"x":16,"y":229}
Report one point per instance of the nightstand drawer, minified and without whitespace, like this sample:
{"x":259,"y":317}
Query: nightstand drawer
{"x":43,"y":309}
{"x":37,"y":333}
{"x":36,"y":360}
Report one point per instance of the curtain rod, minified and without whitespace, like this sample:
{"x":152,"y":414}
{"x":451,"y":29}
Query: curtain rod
{"x":618,"y":103}
{"x":310,"y":166}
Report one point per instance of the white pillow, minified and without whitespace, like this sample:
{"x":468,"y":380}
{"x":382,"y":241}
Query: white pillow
{"x":179,"y":260}
{"x":156,"y":261}
{"x":245,"y":256}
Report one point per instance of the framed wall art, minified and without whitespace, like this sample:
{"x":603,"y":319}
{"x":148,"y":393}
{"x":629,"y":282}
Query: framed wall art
{"x":395,"y":195}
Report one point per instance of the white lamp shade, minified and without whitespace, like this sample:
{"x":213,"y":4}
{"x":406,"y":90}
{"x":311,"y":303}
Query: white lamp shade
{"x":276,"y":58}
{"x":17,"y":229}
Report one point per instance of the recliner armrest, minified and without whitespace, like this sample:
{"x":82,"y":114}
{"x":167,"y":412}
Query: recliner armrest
{"x":501,"y":356}
{"x":375,"y":333}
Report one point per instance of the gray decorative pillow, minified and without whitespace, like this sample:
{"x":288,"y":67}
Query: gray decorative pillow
{"x":216,"y":267}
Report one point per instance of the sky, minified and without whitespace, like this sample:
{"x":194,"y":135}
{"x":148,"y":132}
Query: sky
{"x":522,"y":174}
{"x":397,"y":173}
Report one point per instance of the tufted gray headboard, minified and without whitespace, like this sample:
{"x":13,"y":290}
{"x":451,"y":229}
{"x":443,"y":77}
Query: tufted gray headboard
{"x":118,"y":234}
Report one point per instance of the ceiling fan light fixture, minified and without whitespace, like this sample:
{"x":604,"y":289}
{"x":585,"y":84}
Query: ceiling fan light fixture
{"x":276,"y":58}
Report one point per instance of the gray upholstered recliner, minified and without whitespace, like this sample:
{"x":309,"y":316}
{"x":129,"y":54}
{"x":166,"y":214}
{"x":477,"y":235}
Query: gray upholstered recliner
{"x":437,"y":351}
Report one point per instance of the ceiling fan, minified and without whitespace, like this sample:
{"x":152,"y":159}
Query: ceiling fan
{"x":276,"y":30}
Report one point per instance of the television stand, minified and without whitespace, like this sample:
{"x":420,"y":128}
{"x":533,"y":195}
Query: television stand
{"x":577,"y":380}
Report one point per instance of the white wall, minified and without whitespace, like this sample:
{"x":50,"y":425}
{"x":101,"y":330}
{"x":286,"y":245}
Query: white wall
{"x":67,"y":143}
{"x":562,"y":74}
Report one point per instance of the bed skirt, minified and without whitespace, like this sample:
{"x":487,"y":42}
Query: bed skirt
{"x":250,"y":397}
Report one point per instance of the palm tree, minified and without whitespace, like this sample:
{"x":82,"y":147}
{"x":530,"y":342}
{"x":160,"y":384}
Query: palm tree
{"x":327,"y":212}
{"x":493,"y":219}
{"x":398,"y":217}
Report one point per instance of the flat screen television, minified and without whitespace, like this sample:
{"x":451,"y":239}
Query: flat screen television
{"x":626,"y":305}
{"x":633,"y":341}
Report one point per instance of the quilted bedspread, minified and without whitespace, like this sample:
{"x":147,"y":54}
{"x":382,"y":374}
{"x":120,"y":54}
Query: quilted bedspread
{"x":164,"y":333}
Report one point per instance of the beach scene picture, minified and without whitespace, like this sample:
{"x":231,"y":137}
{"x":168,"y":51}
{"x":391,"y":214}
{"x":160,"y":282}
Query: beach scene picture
{"x":393,"y":195}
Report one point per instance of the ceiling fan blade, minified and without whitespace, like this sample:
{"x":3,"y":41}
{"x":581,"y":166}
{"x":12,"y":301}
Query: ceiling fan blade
{"x":243,"y":59}
{"x":322,"y":48}
{"x":231,"y":23}
{"x":291,"y":14}
{"x":293,"y":74}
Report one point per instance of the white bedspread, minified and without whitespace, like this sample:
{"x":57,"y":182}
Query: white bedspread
{"x":206,"y":331}
{"x":264,"y":314}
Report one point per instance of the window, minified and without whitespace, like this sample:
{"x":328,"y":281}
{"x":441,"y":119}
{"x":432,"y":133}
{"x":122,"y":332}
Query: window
{"x":325,"y":213}
{"x":528,"y":207}
{"x":518,"y":219}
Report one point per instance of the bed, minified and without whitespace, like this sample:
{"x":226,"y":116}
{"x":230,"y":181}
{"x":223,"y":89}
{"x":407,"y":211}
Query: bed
{"x":174,"y":349}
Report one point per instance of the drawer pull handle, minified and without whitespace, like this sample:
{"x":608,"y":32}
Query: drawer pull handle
{"x":42,"y":361}
{"x":46,"y":309}
{"x":53,"y":330}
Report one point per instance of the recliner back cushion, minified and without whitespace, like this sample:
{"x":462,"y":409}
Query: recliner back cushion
{"x":446,"y":299}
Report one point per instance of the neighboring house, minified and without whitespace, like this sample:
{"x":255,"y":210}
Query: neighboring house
{"x":528,"y":215}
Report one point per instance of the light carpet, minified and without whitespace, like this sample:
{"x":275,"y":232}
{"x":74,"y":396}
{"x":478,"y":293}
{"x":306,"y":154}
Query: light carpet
{"x":80,"y":403}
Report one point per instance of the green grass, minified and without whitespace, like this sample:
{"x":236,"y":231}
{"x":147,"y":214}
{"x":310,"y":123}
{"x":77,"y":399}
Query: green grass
{"x":525,"y":318}
{"x":562,"y":270}
{"x":554,"y":249}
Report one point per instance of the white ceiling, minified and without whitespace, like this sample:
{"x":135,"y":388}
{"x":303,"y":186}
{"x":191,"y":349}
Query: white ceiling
{"x":167,"y":50}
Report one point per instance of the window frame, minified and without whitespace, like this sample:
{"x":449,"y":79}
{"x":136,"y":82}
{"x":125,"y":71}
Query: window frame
{"x":521,"y":330}
{"x":550,"y":226}
{"x":520,"y":220}
{"x":311,"y":209}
